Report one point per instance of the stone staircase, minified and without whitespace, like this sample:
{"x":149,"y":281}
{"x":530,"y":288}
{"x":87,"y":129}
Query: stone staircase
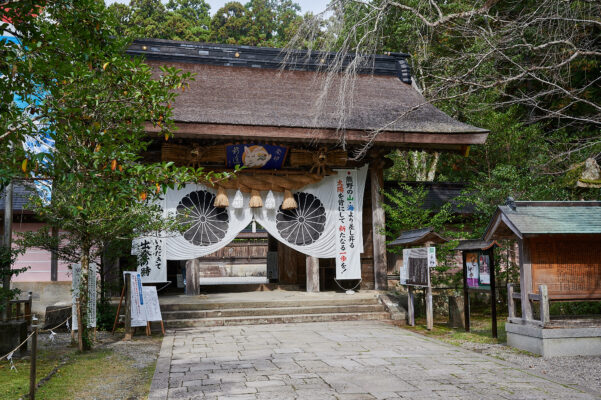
{"x":205,"y":314}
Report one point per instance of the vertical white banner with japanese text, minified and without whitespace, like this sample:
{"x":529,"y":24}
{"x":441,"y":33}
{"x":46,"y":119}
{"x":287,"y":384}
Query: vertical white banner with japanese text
{"x":92,"y":293}
{"x":152,"y":260}
{"x":75,"y":282}
{"x":348,"y":250}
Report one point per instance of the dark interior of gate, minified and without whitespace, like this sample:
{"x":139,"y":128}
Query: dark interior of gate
{"x":245,"y":96}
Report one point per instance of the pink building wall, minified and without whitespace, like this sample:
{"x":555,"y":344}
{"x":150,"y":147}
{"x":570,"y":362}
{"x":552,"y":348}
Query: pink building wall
{"x":38,"y":260}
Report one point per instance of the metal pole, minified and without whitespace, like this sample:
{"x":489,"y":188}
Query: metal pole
{"x":32,"y":370}
{"x":7,"y":238}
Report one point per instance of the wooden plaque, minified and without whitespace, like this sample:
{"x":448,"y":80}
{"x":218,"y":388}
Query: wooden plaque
{"x":570,"y":266}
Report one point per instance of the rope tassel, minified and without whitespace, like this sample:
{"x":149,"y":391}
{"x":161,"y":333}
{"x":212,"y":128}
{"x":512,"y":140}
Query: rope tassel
{"x":221,"y":200}
{"x":289,"y":203}
{"x":255,"y":199}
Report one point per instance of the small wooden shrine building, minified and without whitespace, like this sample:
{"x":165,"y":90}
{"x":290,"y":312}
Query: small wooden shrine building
{"x":560,"y":260}
{"x":245,"y":95}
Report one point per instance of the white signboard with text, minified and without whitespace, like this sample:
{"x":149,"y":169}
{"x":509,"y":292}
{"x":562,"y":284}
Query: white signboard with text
{"x":138,"y":312}
{"x":151,"y":303}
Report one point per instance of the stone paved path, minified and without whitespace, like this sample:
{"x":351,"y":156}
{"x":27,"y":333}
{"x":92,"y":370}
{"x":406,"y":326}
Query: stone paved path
{"x":338,"y":360}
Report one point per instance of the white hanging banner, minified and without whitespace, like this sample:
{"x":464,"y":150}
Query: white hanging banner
{"x":348,"y":258}
{"x":210,"y":228}
{"x":312,"y":227}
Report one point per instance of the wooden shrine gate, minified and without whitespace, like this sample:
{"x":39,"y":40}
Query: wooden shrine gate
{"x":246,"y":98}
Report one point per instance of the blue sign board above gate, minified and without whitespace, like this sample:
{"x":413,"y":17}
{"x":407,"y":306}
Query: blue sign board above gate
{"x":251,"y":155}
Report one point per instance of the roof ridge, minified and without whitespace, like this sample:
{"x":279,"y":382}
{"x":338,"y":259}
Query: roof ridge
{"x":390,"y":63}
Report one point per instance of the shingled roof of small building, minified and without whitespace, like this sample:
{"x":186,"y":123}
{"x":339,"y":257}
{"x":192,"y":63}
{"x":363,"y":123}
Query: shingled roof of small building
{"x":529,"y":218}
{"x":251,"y":86}
{"x":416,"y":237}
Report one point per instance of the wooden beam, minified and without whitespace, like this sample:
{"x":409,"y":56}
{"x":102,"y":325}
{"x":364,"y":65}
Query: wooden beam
{"x":378,"y":221}
{"x":312,"y":274}
{"x":255,"y":132}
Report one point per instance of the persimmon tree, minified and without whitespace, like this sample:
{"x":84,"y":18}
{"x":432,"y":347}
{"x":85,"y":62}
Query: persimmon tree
{"x":92,"y":101}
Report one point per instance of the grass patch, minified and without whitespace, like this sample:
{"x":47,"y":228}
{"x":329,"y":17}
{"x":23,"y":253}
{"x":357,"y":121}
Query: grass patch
{"x":480,"y":330}
{"x":13,"y":384}
{"x":101,"y":373}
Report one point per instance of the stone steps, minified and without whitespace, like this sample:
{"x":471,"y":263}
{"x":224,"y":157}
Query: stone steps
{"x":275,"y":319}
{"x":195,"y":313}
{"x":198,"y":306}
{"x":252,"y":312}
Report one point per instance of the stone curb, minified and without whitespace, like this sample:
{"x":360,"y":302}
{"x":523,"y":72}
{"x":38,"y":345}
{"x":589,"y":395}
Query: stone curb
{"x":159,"y":387}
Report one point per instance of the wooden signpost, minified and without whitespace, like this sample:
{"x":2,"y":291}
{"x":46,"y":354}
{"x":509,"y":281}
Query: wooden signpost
{"x":415,"y":272}
{"x":479,"y":275}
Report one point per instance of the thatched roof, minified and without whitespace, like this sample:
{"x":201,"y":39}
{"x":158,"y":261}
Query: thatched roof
{"x":249,"y":90}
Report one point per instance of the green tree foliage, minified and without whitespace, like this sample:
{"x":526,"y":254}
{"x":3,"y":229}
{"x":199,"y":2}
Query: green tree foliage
{"x":525,"y":70}
{"x":177,"y":20}
{"x":270,"y":23}
{"x":230,"y":24}
{"x":95,"y":108}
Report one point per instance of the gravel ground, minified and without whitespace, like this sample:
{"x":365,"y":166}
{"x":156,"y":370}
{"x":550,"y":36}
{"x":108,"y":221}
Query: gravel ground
{"x":580,"y":370}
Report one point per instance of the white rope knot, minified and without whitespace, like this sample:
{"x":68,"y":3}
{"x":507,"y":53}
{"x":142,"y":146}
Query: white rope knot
{"x":9,"y":357}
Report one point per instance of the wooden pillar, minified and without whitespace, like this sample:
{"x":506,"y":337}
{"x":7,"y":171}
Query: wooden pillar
{"x":466,"y":295}
{"x":410,"y":306}
{"x":312,"y":274}
{"x":493,"y":291}
{"x":525,"y":278}
{"x":128,"y":328}
{"x":378,"y":221}
{"x":192,"y":278}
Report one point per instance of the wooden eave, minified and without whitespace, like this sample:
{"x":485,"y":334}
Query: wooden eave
{"x":500,"y":227}
{"x":442,"y":141}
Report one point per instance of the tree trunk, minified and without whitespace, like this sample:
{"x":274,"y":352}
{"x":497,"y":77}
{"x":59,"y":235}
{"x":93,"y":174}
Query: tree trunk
{"x":84,"y":341}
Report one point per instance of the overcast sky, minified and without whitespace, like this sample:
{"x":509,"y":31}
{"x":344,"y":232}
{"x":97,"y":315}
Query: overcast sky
{"x":306,"y":5}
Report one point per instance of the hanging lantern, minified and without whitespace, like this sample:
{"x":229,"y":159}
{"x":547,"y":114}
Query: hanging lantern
{"x":289,"y":203}
{"x":238,"y":201}
{"x":221,"y":200}
{"x":270,"y":201}
{"x":255,"y":199}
